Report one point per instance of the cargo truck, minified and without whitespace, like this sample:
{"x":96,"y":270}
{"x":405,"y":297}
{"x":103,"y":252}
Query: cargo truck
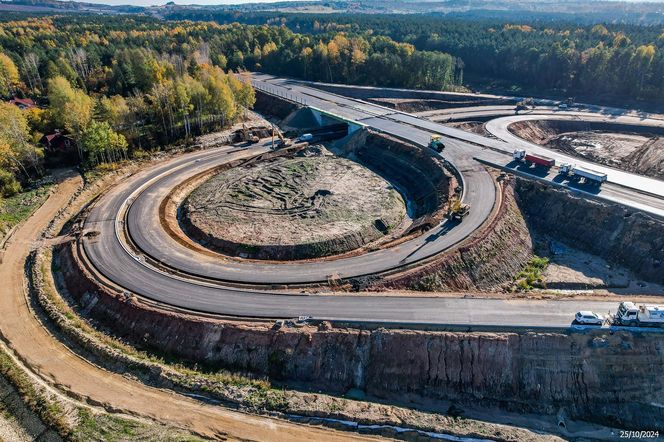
{"x":629,"y":314}
{"x":530,"y":159}
{"x":577,"y":173}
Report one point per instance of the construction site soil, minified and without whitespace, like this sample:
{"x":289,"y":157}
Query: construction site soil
{"x":618,"y":234}
{"x":580,"y":375}
{"x":620,"y":146}
{"x":476,"y":127}
{"x":306,"y":206}
{"x":479,"y":263}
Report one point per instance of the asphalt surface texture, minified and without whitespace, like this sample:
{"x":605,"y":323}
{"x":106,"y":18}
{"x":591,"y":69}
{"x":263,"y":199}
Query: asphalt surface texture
{"x":199,"y":283}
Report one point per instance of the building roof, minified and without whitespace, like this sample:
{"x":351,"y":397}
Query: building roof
{"x":25,"y":102}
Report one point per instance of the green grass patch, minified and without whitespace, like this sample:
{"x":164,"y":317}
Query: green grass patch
{"x":532,"y":275}
{"x":98,"y":172}
{"x":50,"y":412}
{"x":19,"y":207}
{"x":109,"y":428}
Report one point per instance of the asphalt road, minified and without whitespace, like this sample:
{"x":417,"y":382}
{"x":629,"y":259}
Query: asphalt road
{"x":140,"y":195}
{"x":499,"y":128}
{"x":148,"y":234}
{"x":626,"y":188}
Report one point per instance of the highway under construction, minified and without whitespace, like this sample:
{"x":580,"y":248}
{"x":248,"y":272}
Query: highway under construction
{"x":126,"y":241}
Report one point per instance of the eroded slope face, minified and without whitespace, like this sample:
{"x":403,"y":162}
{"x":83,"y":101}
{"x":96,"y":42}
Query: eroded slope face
{"x":293,"y":208}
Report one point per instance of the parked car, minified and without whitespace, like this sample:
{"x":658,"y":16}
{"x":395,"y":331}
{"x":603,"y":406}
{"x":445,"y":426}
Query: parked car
{"x":588,"y":318}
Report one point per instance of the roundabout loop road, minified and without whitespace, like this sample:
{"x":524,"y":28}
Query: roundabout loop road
{"x":147,"y":233}
{"x":112,"y":260}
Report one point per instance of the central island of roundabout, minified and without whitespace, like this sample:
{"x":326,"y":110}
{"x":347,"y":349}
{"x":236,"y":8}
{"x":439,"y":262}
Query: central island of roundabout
{"x":309,"y":205}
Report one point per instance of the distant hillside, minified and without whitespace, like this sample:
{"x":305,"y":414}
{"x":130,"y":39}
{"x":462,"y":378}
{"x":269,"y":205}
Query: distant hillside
{"x":65,"y":6}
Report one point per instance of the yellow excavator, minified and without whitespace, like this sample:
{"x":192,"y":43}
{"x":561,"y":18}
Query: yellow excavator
{"x":457,"y":211}
{"x":283,"y":141}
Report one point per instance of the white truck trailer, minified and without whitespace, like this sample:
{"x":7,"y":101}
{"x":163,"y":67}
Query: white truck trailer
{"x":577,"y":172}
{"x":629,"y":314}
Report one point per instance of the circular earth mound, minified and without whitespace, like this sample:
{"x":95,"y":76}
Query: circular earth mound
{"x":292,"y":208}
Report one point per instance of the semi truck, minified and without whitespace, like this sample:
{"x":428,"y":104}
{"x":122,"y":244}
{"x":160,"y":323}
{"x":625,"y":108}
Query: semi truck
{"x":629,"y":314}
{"x":577,"y":173}
{"x":530,"y":159}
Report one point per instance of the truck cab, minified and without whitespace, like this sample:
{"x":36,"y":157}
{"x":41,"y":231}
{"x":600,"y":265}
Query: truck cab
{"x":565,"y":169}
{"x":628,"y":313}
{"x":519,"y":155}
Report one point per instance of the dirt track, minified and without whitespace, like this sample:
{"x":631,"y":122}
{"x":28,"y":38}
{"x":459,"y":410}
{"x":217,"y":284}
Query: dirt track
{"x":57,"y":365}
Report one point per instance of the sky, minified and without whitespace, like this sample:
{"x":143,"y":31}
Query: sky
{"x":215,"y":2}
{"x":179,"y":2}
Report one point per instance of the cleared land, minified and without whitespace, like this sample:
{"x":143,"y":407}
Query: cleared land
{"x":292,"y":208}
{"x":642,"y":153}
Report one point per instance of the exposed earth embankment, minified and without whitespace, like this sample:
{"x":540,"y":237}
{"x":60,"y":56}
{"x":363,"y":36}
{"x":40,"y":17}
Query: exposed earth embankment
{"x":584,"y":374}
{"x":614,"y":232}
{"x":480,"y":263}
{"x":419,"y":175}
{"x":299,"y":207}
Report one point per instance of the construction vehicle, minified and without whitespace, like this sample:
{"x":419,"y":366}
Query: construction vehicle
{"x":530,"y":159}
{"x":283,"y":141}
{"x":629,"y":314}
{"x":525,"y":104}
{"x":576,"y":173}
{"x":457,"y":210}
{"x":436,"y":143}
{"x":248,"y":136}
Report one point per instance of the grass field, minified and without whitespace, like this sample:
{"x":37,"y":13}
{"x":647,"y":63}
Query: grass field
{"x":15,"y":209}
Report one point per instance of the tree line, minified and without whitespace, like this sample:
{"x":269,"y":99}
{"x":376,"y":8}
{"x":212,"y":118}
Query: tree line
{"x":618,"y":61}
{"x":108,"y":96}
{"x":116,"y":84}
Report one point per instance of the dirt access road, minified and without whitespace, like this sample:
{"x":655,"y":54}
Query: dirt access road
{"x":56,"y":364}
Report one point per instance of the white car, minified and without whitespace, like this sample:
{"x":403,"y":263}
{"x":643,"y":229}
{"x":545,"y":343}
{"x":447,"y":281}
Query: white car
{"x":588,"y":318}
{"x":563,"y":106}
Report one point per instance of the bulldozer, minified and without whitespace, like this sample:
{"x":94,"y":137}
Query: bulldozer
{"x":436,"y":143}
{"x":248,"y":136}
{"x":457,"y":210}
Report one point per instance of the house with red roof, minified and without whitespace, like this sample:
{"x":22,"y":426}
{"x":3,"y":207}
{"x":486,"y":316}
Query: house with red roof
{"x":23,"y":103}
